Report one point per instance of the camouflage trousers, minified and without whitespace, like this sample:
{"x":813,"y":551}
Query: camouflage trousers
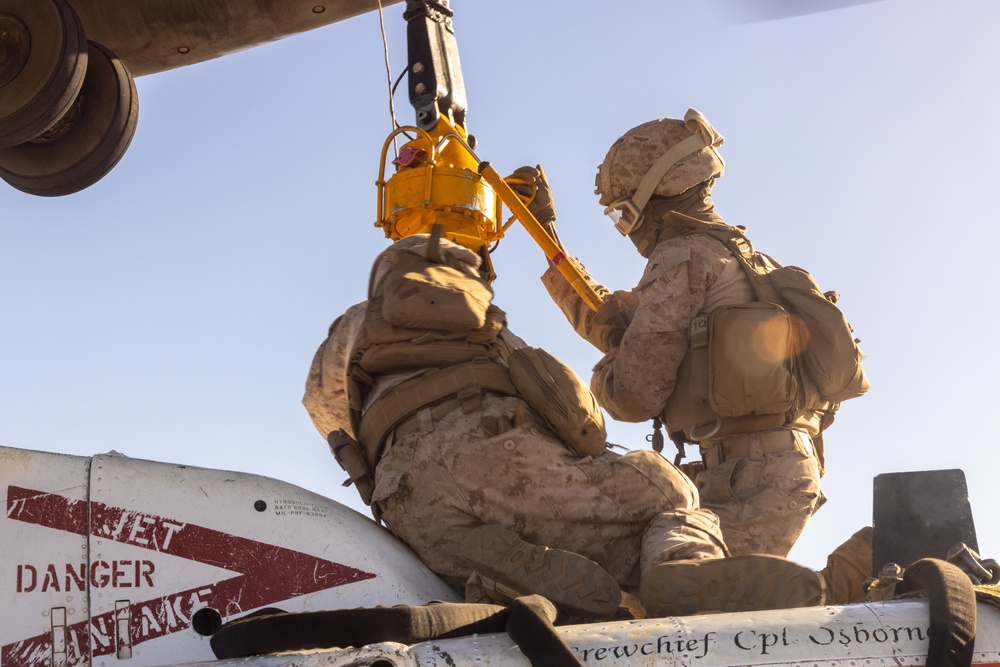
{"x":500,"y":465}
{"x":763,"y":499}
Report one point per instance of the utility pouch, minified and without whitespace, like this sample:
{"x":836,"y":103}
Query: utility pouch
{"x":751,"y":349}
{"x":556,"y":393}
{"x":436,"y":297}
{"x":389,"y":349}
{"x":351,"y":458}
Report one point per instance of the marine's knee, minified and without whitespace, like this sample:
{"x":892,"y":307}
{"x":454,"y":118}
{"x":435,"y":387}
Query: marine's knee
{"x":663,"y":476}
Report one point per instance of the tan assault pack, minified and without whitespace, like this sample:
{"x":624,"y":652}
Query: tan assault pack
{"x":791,"y":349}
{"x":419,"y":294}
{"x":427,"y":307}
{"x":429,"y":312}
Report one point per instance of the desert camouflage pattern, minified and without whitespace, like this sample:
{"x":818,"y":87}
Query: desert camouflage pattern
{"x":683,"y":278}
{"x":326,"y":398}
{"x":631,"y":156}
{"x":499,"y":464}
{"x":764,"y":501}
{"x":762,"y":505}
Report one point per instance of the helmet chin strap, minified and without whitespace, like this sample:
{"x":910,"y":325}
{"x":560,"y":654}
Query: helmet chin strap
{"x":659,"y":169}
{"x":704,"y":136}
{"x":645,"y":236}
{"x":637,"y":202}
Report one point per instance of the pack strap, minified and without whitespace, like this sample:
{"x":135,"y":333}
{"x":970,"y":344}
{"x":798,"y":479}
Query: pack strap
{"x":757,"y":266}
{"x":461,"y":381}
{"x":423,"y":420}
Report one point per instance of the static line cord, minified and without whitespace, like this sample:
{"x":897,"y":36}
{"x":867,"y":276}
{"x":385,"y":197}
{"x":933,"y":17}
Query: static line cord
{"x":392,"y":92}
{"x":392,"y":95}
{"x":388,"y":74}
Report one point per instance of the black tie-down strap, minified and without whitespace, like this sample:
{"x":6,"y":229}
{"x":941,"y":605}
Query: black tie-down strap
{"x":952,"y":601}
{"x":529,"y":621}
{"x":530,"y":625}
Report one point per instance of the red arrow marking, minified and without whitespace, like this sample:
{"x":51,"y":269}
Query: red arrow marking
{"x":267,"y":573}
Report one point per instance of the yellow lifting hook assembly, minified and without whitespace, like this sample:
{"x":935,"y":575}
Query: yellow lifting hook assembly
{"x":440,"y":180}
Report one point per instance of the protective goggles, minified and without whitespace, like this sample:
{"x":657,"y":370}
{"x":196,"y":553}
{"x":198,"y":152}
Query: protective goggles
{"x":625,"y":214}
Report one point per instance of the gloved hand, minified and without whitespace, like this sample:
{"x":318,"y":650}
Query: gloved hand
{"x":608,"y":325}
{"x":541,"y":206}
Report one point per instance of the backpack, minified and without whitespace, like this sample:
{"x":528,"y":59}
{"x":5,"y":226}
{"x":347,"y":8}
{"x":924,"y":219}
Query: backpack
{"x":428,"y":310}
{"x":820,"y":341}
{"x":427,"y":306}
{"x":431,"y":288}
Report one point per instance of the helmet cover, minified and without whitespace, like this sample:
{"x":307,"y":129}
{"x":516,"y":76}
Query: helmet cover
{"x":631,"y":156}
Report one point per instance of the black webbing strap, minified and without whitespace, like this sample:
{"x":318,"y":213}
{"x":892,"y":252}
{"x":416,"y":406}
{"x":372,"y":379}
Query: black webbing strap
{"x":529,"y":621}
{"x":530,"y":625}
{"x":952,"y":601}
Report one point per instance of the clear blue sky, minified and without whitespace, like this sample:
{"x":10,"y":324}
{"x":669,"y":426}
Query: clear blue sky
{"x":170,"y":312}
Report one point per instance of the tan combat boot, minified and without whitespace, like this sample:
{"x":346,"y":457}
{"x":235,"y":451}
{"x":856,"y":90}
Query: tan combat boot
{"x":848,"y":567}
{"x":509,"y":567}
{"x":737,"y":583}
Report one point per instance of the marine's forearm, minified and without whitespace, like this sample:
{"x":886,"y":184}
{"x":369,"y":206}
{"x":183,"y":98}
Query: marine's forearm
{"x":579,"y":314}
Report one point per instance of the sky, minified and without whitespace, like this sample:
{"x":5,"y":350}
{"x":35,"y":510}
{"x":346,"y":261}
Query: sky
{"x":170,"y":312}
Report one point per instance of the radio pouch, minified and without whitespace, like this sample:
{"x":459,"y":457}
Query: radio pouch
{"x":750,"y":357}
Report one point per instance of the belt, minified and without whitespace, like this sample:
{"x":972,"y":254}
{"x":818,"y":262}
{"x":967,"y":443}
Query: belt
{"x":422,"y":421}
{"x":753,"y":446}
{"x":398,"y":404}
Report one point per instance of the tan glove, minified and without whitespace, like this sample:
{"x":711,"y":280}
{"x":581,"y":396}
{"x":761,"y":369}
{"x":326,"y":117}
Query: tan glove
{"x":609,"y":325}
{"x":541,"y":206}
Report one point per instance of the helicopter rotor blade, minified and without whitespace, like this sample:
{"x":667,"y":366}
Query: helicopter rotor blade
{"x":755,"y":11}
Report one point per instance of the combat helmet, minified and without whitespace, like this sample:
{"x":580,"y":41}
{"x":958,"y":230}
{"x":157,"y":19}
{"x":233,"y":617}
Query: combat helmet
{"x":664,"y":157}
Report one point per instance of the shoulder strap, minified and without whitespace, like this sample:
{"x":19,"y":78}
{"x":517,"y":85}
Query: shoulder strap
{"x":757,"y":266}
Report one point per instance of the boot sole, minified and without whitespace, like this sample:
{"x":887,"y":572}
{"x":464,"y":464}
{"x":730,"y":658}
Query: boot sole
{"x":739,"y":583}
{"x":510,"y":566}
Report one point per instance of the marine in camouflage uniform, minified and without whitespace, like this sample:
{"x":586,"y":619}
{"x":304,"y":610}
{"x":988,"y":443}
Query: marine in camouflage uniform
{"x":490,"y":460}
{"x":760,"y":476}
{"x":763,"y":498}
{"x":458,"y":465}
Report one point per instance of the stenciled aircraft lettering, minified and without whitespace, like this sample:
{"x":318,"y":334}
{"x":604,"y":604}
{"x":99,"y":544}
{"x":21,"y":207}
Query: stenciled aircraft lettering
{"x":266,"y":574}
{"x":75,"y":576}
